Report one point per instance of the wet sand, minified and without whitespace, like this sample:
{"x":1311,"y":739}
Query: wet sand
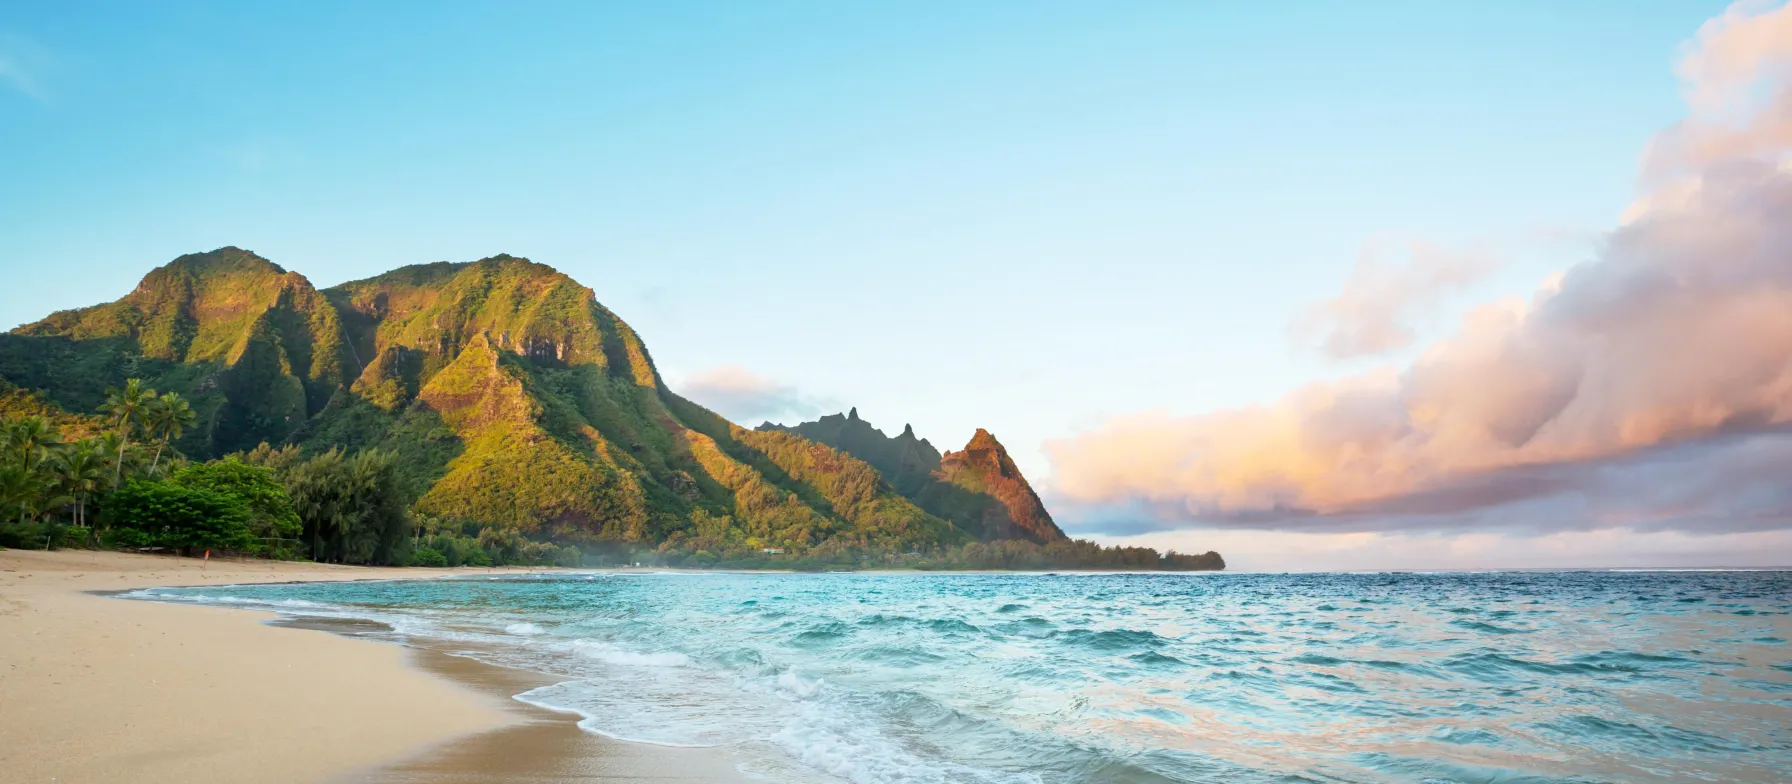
{"x":543,"y":746}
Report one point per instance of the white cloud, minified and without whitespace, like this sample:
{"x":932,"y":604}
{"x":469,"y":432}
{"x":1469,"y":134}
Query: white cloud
{"x":1373,"y":314}
{"x":746,"y":397}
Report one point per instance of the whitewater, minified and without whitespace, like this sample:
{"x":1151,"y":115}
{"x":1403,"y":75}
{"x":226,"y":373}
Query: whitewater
{"x":1511,"y":677}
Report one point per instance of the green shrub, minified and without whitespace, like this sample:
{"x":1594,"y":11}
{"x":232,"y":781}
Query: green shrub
{"x":476,"y":557}
{"x":165,"y":514}
{"x":428,"y":556}
{"x":570,"y":557}
{"x":271,"y":513}
{"x":40,"y":536}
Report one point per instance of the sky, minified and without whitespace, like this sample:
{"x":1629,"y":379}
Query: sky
{"x":1317,"y":285}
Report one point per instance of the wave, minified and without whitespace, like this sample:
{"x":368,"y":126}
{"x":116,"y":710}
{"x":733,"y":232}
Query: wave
{"x":552,"y":698}
{"x":896,"y":655}
{"x":1155,"y":659}
{"x":822,"y":634}
{"x":167,"y":595}
{"x":1113,"y":639}
{"x":611,"y":654}
{"x":1495,"y":665}
{"x":1488,"y":628}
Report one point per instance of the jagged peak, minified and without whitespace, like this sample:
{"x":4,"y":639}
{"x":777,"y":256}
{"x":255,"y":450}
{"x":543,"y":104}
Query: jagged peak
{"x":982,"y":439}
{"x":908,"y":430}
{"x":853,"y":415}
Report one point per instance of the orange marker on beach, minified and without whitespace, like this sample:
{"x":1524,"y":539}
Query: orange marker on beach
{"x":206,"y":560}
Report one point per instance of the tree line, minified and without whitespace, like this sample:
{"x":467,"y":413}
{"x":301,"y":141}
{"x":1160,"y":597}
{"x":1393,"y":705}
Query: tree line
{"x":119,"y":481}
{"x":128,"y":487}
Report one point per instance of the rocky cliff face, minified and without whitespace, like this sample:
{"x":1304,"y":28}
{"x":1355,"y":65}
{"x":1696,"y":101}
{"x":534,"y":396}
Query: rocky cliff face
{"x":978,"y":489}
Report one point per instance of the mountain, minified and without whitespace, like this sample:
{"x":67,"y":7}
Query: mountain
{"x":978,"y":489}
{"x":510,"y":395}
{"x":255,"y":348}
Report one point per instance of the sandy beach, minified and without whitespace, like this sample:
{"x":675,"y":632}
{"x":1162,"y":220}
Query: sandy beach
{"x":98,"y":689}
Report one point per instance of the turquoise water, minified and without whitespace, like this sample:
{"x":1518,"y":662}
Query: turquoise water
{"x":1484,"y":677}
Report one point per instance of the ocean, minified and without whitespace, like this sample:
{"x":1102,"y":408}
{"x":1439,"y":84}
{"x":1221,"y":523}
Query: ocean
{"x":1509,"y":677}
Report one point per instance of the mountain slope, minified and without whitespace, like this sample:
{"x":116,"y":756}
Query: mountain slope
{"x":979,"y":489}
{"x":255,"y":348}
{"x":984,"y":467}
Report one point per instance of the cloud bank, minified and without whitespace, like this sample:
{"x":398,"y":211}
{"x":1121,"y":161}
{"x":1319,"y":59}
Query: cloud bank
{"x":746,"y":397}
{"x":1649,"y":387}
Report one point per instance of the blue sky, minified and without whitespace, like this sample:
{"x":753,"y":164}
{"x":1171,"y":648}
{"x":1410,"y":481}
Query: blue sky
{"x":1030,"y":217}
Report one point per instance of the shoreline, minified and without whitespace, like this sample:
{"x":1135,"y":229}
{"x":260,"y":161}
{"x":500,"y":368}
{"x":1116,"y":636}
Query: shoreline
{"x":541,"y":745}
{"x":100,"y":688}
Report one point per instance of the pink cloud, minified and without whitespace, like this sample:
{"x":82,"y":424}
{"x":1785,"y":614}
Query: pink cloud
{"x":1677,"y":333}
{"x":1736,"y":75}
{"x":1372,"y":314}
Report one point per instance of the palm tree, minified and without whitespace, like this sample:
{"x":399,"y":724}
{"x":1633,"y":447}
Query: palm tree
{"x":78,"y":470}
{"x":19,"y":487}
{"x":168,"y":417}
{"x":30,"y":439}
{"x":316,"y":496}
{"x":128,"y":406}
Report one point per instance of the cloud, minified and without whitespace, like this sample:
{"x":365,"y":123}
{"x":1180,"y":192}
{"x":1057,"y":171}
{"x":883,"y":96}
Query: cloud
{"x":1736,"y":76}
{"x":746,"y":397}
{"x":1647,"y":388}
{"x":1371,"y":315}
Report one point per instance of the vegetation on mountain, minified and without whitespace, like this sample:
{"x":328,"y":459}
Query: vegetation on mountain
{"x":979,"y":490}
{"x":983,"y":468}
{"x":454,"y":413}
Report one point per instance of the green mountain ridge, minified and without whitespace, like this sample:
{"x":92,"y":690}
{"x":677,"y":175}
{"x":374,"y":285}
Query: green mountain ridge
{"x":978,"y":489}
{"x":509,"y":394}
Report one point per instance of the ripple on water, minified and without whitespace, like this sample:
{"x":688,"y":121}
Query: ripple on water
{"x":1597,"y":732}
{"x":1153,"y":659}
{"x":824,"y":634}
{"x":1488,"y":628}
{"x":1112,"y":639}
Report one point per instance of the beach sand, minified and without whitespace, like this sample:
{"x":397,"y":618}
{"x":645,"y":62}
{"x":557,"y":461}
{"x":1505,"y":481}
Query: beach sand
{"x":98,"y":689}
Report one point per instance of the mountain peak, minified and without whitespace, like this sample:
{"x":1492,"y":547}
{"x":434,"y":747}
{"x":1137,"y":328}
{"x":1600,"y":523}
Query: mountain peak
{"x":229,"y":258}
{"x":984,"y":466}
{"x":983,"y":439}
{"x":978,"y":489}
